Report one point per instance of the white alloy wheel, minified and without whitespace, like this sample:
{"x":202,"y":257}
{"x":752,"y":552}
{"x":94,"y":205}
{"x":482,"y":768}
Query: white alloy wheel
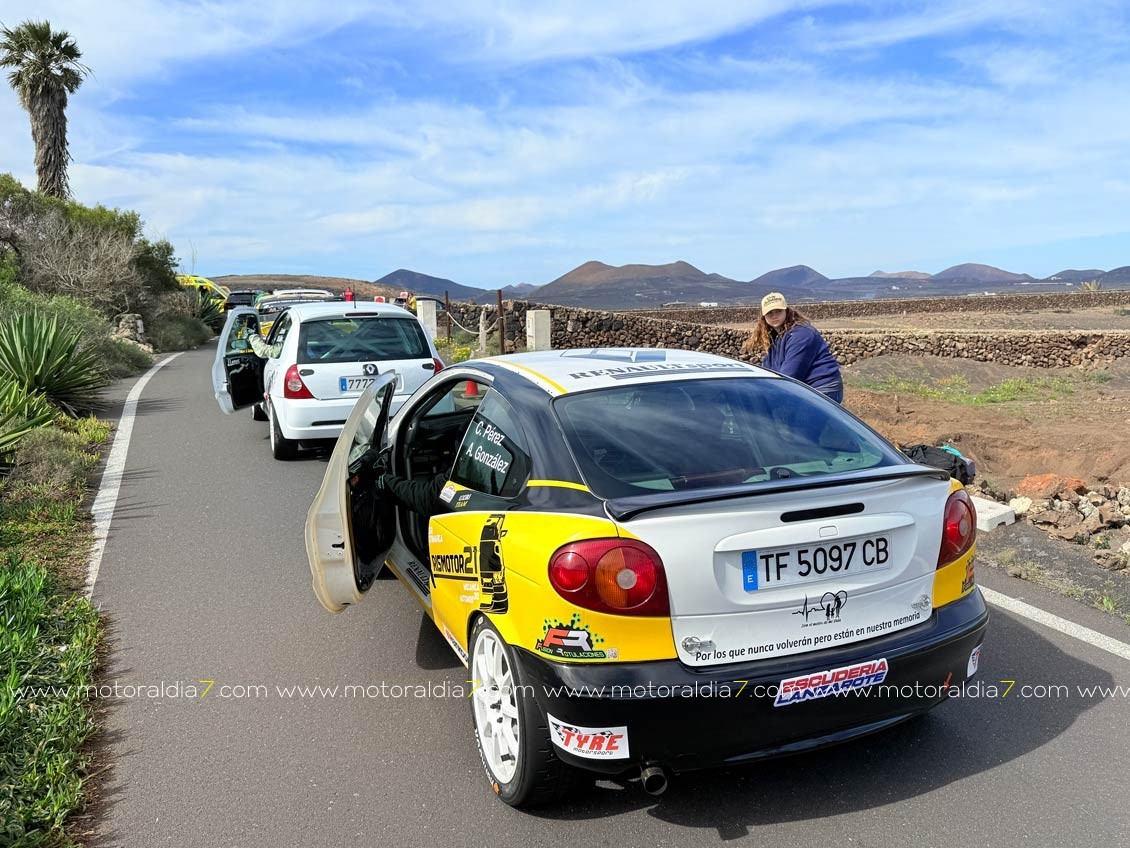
{"x":495,"y":707}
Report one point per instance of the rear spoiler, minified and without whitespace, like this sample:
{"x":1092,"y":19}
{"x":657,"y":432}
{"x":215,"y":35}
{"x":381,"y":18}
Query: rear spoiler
{"x":625,"y":509}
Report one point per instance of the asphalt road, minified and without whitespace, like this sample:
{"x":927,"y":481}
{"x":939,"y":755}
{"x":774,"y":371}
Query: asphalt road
{"x":205,"y":578}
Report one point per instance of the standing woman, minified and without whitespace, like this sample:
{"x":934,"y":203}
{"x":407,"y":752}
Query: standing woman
{"x":789,"y":344}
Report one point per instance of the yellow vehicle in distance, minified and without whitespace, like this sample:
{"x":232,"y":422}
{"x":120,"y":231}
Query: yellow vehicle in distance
{"x":205,"y":287}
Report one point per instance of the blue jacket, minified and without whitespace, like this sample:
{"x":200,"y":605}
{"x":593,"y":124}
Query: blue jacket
{"x":802,"y":353}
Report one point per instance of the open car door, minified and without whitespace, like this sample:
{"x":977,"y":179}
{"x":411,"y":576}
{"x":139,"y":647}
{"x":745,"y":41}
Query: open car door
{"x":351,"y":525}
{"x":237,"y":372}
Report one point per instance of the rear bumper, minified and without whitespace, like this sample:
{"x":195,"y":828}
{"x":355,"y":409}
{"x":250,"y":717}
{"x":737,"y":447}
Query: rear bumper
{"x":312,"y":419}
{"x":319,"y":419}
{"x":683,"y":718}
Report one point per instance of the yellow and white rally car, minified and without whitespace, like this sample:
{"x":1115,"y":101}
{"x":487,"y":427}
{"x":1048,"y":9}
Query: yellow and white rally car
{"x":654,"y":561}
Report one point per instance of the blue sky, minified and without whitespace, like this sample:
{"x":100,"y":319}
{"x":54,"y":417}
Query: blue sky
{"x":503,"y":142}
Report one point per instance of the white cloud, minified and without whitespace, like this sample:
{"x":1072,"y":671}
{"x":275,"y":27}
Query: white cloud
{"x":736,"y":163}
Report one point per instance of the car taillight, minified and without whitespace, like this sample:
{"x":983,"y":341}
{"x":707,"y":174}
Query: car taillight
{"x":437,"y":366}
{"x":619,"y":576}
{"x":959,"y":527}
{"x":293,"y":387}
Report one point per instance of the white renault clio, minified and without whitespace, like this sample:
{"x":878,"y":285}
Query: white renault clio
{"x":329,"y":354}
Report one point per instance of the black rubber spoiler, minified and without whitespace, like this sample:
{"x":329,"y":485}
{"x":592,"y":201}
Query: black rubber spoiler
{"x":625,"y":509}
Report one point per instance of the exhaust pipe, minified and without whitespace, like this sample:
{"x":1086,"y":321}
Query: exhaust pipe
{"x":654,"y":779}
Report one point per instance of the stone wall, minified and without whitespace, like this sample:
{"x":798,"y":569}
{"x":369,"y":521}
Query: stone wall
{"x":574,"y":327}
{"x":861,"y":308}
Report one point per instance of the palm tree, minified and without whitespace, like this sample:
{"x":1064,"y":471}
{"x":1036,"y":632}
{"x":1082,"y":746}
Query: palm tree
{"x":46,"y":69}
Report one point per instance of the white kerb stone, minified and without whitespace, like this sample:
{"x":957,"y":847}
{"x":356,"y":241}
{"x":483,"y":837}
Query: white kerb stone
{"x":991,"y":515}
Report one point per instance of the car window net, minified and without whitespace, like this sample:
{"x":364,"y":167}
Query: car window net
{"x":361,"y":340}
{"x":672,"y":436}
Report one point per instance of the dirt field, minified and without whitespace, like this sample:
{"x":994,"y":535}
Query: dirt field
{"x":1099,"y":318}
{"x":1013,"y":421}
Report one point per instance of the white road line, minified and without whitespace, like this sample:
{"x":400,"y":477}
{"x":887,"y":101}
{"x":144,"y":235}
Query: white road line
{"x":107,"y":498}
{"x":1076,"y":631}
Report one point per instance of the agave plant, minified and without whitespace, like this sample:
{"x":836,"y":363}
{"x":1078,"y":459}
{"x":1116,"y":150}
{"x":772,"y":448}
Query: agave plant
{"x":20,"y":413}
{"x":15,"y":401}
{"x":44,"y":359}
{"x":210,"y":311}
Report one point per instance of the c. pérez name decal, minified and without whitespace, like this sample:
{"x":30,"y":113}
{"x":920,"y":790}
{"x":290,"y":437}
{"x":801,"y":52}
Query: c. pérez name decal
{"x":486,"y":432}
{"x":834,"y":681}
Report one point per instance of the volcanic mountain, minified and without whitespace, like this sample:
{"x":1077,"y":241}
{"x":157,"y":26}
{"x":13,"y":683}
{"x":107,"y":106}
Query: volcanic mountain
{"x":971,"y":272}
{"x":600,"y":286}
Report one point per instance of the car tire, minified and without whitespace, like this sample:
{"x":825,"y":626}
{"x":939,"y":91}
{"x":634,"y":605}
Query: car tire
{"x":281,"y":447}
{"x":520,"y":762}
{"x":258,"y":413}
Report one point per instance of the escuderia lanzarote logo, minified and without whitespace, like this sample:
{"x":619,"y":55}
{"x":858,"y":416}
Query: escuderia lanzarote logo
{"x":834,"y":681}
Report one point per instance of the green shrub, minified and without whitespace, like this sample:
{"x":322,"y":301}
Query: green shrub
{"x":48,"y":643}
{"x":178,"y":332}
{"x":109,"y":263}
{"x":120,"y":359}
{"x":452,"y":352}
{"x":43,"y":356}
{"x":53,"y":464}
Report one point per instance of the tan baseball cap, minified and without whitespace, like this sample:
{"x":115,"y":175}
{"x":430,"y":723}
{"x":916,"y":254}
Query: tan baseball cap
{"x":773,"y":300}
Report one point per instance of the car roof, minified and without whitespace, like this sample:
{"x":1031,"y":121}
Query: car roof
{"x":344,"y":308}
{"x":278,"y":292}
{"x":561,"y":372}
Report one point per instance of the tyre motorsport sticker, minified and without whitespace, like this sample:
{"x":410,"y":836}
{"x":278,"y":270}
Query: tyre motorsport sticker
{"x":834,"y":681}
{"x":592,"y":743}
{"x":572,"y":641}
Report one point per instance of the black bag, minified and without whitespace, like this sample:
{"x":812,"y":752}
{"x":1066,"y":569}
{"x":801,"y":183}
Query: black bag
{"x":959,"y":468}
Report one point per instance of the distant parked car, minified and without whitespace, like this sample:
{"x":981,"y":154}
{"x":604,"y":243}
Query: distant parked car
{"x":331,"y":352}
{"x":241,"y":297}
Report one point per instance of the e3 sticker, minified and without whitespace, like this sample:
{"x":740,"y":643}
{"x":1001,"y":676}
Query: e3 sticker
{"x":974,"y":661}
{"x":447,"y":493}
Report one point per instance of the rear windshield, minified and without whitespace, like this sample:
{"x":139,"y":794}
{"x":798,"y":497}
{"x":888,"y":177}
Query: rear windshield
{"x":242,"y":298}
{"x":361,"y":339}
{"x":670,"y":436}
